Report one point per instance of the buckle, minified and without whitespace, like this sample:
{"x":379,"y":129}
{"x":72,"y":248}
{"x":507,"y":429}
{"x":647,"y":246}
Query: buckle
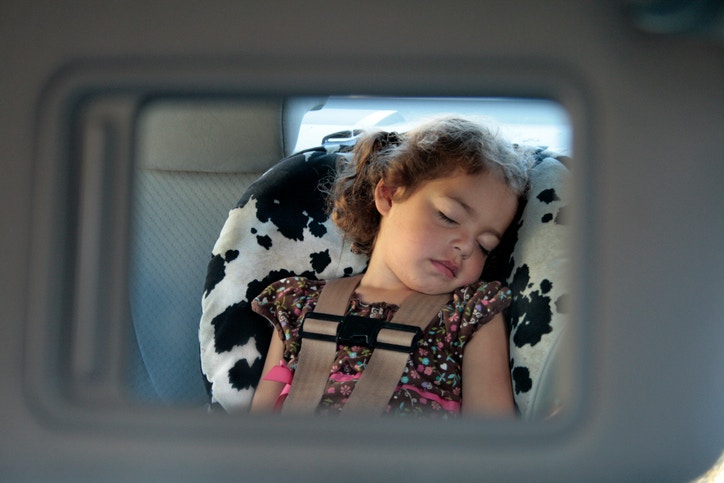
{"x":356,"y":330}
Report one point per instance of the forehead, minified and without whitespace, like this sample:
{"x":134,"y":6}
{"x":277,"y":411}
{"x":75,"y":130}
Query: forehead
{"x":467,"y":188}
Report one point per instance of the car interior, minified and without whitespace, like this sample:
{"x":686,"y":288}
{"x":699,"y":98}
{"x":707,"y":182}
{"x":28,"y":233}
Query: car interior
{"x":163,"y":165}
{"x":540,"y":249}
{"x":218,"y":149}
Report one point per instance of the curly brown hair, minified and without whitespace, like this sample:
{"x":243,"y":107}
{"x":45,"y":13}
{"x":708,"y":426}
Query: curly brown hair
{"x":432,"y":150}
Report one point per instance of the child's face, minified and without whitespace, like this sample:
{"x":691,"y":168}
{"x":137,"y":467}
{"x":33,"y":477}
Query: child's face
{"x":438,"y":238}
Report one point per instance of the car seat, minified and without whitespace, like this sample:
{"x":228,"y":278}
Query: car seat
{"x":280,"y":228}
{"x":193,"y":159}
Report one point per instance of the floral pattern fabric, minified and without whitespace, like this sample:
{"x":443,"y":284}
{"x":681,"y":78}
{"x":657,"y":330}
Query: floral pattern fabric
{"x":431,"y":384}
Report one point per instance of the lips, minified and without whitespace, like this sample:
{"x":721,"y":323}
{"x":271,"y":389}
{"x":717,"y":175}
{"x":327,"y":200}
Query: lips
{"x":447,"y":268}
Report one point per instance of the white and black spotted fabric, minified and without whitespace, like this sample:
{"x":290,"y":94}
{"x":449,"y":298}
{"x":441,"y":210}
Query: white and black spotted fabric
{"x":538,"y":279}
{"x":279,"y":228}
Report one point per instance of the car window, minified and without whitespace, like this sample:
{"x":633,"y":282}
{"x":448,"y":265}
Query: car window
{"x":536,"y":122}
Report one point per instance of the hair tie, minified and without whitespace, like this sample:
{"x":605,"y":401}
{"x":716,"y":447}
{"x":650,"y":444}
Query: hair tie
{"x":391,"y":139}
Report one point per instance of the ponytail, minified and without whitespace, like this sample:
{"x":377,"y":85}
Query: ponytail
{"x":352,"y":202}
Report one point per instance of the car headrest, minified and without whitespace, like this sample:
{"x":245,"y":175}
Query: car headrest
{"x":220,"y":136}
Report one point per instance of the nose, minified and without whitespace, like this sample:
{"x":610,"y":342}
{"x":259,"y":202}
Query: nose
{"x":464,"y":246}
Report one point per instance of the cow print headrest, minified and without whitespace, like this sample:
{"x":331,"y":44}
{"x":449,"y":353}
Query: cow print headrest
{"x":538,"y":278}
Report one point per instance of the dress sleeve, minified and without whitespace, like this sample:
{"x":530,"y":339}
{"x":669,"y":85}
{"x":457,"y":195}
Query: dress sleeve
{"x":478,"y":303}
{"x":285,"y":302}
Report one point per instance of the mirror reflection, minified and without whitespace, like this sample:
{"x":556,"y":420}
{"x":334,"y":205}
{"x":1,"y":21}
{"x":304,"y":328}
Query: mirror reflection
{"x":210,"y":233}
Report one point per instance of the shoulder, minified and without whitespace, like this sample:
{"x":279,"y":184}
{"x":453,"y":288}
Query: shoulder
{"x":289,"y":292}
{"x":483,"y":291}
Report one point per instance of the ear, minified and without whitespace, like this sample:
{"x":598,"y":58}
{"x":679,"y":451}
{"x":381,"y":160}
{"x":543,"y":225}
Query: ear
{"x":383,"y":197}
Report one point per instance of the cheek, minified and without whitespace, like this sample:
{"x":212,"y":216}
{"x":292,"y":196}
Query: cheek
{"x":419,"y":232}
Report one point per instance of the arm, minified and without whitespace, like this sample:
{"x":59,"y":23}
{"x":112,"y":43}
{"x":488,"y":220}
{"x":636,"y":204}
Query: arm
{"x":487,"y":386}
{"x":267,"y":392}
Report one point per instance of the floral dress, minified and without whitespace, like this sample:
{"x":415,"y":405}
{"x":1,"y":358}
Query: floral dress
{"x":431,"y":384}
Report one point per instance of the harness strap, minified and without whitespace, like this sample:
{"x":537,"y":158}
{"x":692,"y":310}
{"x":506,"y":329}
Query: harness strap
{"x":380,"y":378}
{"x":316,"y":356}
{"x":386,"y":364}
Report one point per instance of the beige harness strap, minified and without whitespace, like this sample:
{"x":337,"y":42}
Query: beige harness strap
{"x":316,"y":356}
{"x":394,"y":342}
{"x":385,"y":367}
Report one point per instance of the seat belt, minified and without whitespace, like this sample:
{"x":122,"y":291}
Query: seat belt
{"x":328,"y":326}
{"x":316,"y":354}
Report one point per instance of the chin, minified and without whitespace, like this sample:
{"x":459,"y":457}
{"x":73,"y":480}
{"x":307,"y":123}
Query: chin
{"x":439,"y":287}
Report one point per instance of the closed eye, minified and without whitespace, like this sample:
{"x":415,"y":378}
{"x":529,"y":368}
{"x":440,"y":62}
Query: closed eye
{"x":446,"y":218}
{"x":486,"y":252}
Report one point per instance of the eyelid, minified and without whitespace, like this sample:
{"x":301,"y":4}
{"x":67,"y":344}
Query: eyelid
{"x":486,"y":252}
{"x":493,"y":244}
{"x":446,"y":218}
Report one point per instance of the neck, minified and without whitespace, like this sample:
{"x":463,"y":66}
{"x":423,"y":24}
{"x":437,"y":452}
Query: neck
{"x":375,"y":289}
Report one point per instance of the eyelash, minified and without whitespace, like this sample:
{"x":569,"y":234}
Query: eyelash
{"x":446,"y":218}
{"x":450,"y":221}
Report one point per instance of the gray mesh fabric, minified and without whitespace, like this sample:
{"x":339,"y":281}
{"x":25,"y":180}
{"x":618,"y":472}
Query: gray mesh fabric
{"x":176,"y":221}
